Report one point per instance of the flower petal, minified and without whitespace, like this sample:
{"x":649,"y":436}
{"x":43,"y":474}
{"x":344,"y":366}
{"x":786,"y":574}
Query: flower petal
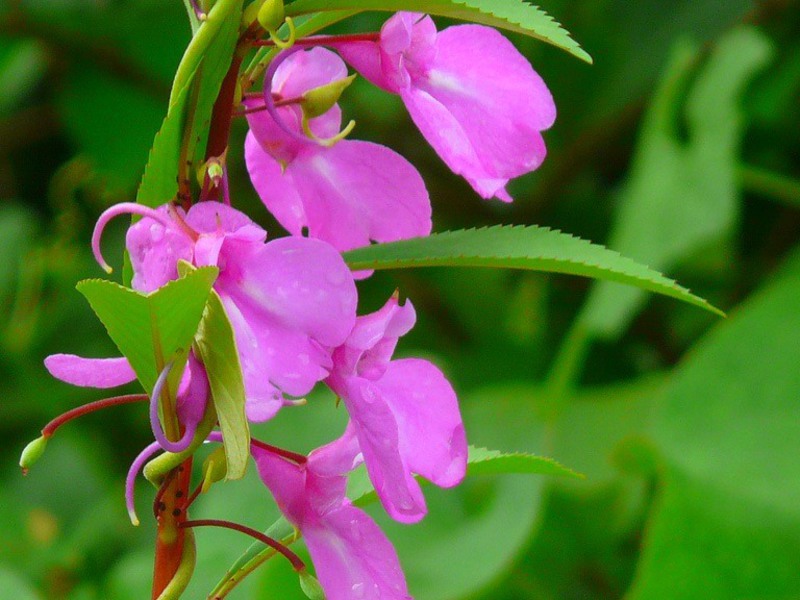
{"x":275,"y":187}
{"x":381,"y":443}
{"x":155,"y":250}
{"x":494,"y":94}
{"x":288,"y":302}
{"x":338,"y":189}
{"x":353,"y":558}
{"x":432,"y":439}
{"x":90,"y":372}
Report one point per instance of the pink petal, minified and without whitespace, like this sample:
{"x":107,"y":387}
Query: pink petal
{"x":381,"y":443}
{"x":155,"y":250}
{"x":286,"y":481}
{"x":275,"y":187}
{"x":354,"y":559}
{"x":288,"y":302}
{"x":370,"y":346}
{"x":495,"y":95}
{"x":432,"y":438}
{"x":358,"y":191}
{"x":90,"y":372}
{"x":305,"y":71}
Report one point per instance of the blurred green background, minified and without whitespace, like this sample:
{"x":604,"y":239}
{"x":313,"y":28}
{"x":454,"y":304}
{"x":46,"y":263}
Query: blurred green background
{"x":680,"y":147}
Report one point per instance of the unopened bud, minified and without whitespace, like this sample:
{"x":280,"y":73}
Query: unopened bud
{"x":310,"y":585}
{"x":215,"y":468}
{"x":32,"y":452}
{"x":318,"y":101}
{"x":271,"y":15}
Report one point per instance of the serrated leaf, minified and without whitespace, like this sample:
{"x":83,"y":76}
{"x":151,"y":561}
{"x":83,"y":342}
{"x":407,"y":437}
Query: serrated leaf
{"x":519,"y":247}
{"x":152,"y":329}
{"x":216,"y":345}
{"x":493,"y":462}
{"x":481,"y":461}
{"x":194,"y":91}
{"x":513,"y":15}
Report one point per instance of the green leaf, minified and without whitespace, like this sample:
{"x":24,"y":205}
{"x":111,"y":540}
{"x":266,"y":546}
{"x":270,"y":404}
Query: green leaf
{"x":152,"y":329}
{"x":727,"y":521}
{"x":194,"y":91}
{"x":217,"y":347}
{"x":493,"y":462}
{"x":681,"y":195}
{"x":519,"y":247}
{"x":514,"y":15}
{"x":480,"y":462}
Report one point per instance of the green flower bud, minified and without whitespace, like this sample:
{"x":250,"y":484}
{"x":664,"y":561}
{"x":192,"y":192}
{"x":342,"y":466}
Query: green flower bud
{"x":32,"y":452}
{"x":310,"y":585}
{"x":271,"y":15}
{"x":320,"y":100}
{"x":215,"y":468}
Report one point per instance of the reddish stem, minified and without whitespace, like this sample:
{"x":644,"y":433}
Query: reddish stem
{"x":287,"y":454}
{"x":297,"y":562}
{"x":327,"y":40}
{"x":86,"y":409}
{"x":172,"y":511}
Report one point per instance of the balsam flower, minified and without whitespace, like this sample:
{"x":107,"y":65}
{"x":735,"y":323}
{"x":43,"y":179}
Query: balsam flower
{"x":473,"y":96}
{"x":404,"y":412}
{"x":346,"y":194}
{"x":290,"y":301}
{"x":352,"y":556}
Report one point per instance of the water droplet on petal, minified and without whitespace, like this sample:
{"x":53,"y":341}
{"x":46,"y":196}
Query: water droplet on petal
{"x":358,"y":590}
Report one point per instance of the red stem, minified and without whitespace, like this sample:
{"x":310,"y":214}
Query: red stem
{"x":172,"y":513}
{"x":297,"y":562}
{"x":325,"y":40}
{"x":86,"y":409}
{"x":292,"y":456}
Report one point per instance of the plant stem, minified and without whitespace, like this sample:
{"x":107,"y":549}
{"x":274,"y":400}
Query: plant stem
{"x":70,"y":415}
{"x":170,"y":536}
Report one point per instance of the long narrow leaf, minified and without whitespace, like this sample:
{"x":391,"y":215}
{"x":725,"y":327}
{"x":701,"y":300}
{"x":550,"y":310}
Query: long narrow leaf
{"x":513,"y":15}
{"x":519,"y":247}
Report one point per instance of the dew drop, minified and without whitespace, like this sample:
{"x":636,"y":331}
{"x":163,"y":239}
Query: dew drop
{"x":358,"y":590}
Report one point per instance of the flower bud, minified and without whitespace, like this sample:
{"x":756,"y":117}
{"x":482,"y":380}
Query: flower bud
{"x":318,"y":101}
{"x":215,"y":468}
{"x":310,"y":585}
{"x":32,"y":452}
{"x":271,"y":15}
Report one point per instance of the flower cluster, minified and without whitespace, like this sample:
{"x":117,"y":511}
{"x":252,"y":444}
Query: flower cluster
{"x":292,"y":301}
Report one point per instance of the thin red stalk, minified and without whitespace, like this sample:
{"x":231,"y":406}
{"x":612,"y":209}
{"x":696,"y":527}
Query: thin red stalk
{"x":278,"y":104}
{"x":297,"y":562}
{"x":288,"y":454}
{"x":194,"y":495}
{"x":86,"y":409}
{"x":323,"y":40}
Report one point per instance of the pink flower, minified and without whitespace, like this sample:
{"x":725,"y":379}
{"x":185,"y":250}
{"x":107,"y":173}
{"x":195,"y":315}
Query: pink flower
{"x":404,"y":412}
{"x":473,"y":96}
{"x":347,"y":194}
{"x":353,"y":558}
{"x":290,"y":301}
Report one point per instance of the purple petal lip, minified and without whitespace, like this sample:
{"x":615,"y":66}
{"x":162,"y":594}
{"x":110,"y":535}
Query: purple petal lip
{"x":90,"y":372}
